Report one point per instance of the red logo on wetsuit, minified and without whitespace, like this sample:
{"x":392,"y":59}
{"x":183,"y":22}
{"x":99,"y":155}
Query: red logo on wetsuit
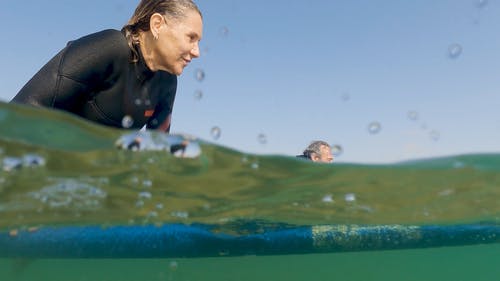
{"x":149,"y":112}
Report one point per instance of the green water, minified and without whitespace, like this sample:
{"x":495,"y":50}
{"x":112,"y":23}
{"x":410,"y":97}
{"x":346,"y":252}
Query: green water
{"x":81,"y":178}
{"x":455,"y":263}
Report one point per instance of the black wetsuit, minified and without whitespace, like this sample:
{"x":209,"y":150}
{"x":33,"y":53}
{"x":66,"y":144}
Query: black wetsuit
{"x":94,"y":77}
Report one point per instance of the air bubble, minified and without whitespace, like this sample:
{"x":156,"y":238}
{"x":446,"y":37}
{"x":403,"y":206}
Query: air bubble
{"x":350,"y":197}
{"x":199,"y":75}
{"x":11,"y":164}
{"x":180,"y":214}
{"x":224,"y":31}
{"x":327,"y":198}
{"x":481,"y":3}
{"x":374,"y":128}
{"x":412,"y":115}
{"x":145,"y":195}
{"x":262,"y":139}
{"x":345,"y":96}
{"x":454,"y":51}
{"x":33,"y":160}
{"x":127,"y":121}
{"x":198,"y":94}
{"x":337,"y":150}
{"x":152,"y":214}
{"x":434,"y":135}
{"x":215,"y":132}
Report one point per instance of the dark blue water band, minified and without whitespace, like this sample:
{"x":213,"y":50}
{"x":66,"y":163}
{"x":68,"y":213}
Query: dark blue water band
{"x":178,"y":240}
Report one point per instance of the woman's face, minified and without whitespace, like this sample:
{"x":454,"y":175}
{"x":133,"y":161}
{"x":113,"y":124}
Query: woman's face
{"x":177,"y":42}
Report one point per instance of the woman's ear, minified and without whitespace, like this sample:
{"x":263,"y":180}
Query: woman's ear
{"x":155,"y":24}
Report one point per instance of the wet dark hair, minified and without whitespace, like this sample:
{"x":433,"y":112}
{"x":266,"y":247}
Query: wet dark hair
{"x":139,"y":22}
{"x":314,"y":148}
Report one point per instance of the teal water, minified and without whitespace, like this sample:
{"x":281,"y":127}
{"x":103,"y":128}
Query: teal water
{"x":59,"y":170}
{"x":456,"y":263}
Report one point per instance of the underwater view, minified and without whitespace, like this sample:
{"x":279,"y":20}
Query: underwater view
{"x":60,"y":171}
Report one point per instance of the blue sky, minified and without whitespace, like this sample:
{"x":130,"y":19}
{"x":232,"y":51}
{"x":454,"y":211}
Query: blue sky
{"x":297,"y":71}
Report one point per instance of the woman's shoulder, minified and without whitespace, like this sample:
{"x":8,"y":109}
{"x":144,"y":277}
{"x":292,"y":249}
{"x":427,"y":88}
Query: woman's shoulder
{"x":95,"y":53}
{"x":107,"y":35}
{"x":106,"y":40}
{"x":107,"y":44}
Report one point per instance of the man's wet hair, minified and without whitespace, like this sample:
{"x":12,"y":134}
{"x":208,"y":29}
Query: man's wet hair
{"x":314,"y":147}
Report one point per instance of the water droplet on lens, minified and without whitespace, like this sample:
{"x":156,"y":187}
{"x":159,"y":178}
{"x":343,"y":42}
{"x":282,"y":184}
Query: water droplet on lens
{"x":345,"y":97}
{"x":374,"y":128}
{"x":481,"y":3}
{"x":327,"y":198}
{"x":337,"y":150}
{"x":145,"y":195}
{"x":413,"y":115}
{"x":224,"y":31}
{"x":180,"y":214}
{"x":262,"y":139}
{"x":454,"y":51}
{"x":11,"y":164}
{"x":134,"y":180}
{"x":184,"y":147}
{"x":199,"y":75}
{"x":215,"y":132}
{"x":350,"y":197}
{"x":127,"y":121}
{"x":434,"y":135}
{"x":198,"y":94}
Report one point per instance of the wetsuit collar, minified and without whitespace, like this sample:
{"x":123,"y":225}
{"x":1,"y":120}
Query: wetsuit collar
{"x":143,"y":71}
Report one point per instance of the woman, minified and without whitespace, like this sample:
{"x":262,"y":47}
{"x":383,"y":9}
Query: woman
{"x":124,"y":78}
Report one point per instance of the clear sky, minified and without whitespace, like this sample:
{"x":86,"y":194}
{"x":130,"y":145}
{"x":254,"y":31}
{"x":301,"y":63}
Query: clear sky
{"x":426,"y":71}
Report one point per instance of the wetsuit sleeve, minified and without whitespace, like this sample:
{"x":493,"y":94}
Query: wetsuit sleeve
{"x":82,"y":68}
{"x":161,"y":119}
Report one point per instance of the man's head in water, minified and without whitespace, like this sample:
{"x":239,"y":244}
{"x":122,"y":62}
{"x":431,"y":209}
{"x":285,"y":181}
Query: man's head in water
{"x":167,"y":32}
{"x":319,"y":151}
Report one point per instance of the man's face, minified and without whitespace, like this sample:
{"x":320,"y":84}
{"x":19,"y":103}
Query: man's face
{"x":325,"y":156}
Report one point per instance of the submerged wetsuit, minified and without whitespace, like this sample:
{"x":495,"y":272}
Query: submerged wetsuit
{"x":94,"y":77}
